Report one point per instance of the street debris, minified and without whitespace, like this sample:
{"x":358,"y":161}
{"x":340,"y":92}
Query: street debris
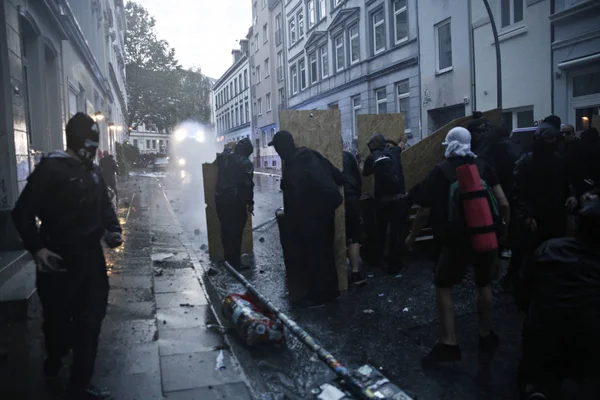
{"x":405,"y":309}
{"x":197,"y":232}
{"x":203,"y":247}
{"x":161,"y":257}
{"x":158,"y":271}
{"x":398,"y":276}
{"x":368,"y":311}
{"x":370,"y":276}
{"x":262,"y":240}
{"x":212,"y":272}
{"x":381,"y":294}
{"x":220,"y":362}
{"x":186,"y":305}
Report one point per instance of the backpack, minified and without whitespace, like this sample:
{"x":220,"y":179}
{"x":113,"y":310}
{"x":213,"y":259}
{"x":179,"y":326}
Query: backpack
{"x":457,"y":226}
{"x":386,"y":171}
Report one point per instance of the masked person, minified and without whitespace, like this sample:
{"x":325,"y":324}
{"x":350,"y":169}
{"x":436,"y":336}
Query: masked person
{"x":68,"y":195}
{"x":457,"y":250}
{"x":560,"y":334}
{"x":234,"y":198}
{"x":109,"y":169}
{"x":310,"y":197}
{"x":352,"y":194}
{"x":385,"y":165}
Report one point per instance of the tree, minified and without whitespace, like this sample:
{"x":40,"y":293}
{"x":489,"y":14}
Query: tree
{"x":194,"y":97}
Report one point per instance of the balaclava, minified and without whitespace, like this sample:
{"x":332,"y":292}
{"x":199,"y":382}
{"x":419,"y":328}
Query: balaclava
{"x":83,"y":137}
{"x":283,"y":141}
{"x":376,"y":142}
{"x":543,"y":144}
{"x":244,"y":148}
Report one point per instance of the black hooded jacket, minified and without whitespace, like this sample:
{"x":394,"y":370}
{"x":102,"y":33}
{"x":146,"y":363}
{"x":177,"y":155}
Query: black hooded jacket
{"x":352,"y":178}
{"x":236,"y":174}
{"x":70,"y":200}
{"x":395,"y":174}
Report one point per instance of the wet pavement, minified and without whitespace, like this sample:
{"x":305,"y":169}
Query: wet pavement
{"x":390,"y":323}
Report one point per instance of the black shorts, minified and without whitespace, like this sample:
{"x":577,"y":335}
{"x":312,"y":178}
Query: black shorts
{"x":454,"y":263}
{"x":353,"y":221}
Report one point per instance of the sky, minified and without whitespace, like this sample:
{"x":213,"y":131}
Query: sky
{"x":203,"y":32}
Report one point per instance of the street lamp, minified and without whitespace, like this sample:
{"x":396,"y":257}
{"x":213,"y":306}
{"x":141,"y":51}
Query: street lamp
{"x":498,"y":60}
{"x":111,"y":126}
{"x":98,"y":116}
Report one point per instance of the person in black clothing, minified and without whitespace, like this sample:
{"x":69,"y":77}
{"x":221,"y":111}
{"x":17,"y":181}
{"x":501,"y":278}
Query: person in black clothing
{"x":560,"y":334}
{"x":234,"y":198}
{"x":311,"y":194}
{"x":390,"y":202}
{"x":457,"y":252}
{"x":352,"y":193}
{"x":109,"y":169}
{"x":554,"y":121}
{"x":67,"y":193}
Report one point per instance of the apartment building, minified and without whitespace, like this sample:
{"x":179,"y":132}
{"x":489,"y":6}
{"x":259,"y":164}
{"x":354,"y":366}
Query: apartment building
{"x":267,"y":63}
{"x":576,"y":60}
{"x":231,"y":93}
{"x":357,"y":56}
{"x":55,"y":60}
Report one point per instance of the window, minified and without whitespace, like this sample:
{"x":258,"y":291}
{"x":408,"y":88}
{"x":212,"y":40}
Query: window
{"x":310,"y":7}
{"x":292,"y":25}
{"x":154,"y":144}
{"x":355,"y":110}
{"x":403,"y":97}
{"x":72,"y":103}
{"x":300,"y":17}
{"x":585,"y":116}
{"x":147,"y":144}
{"x":324,"y":62}
{"x":264,"y":3}
{"x":354,"y":45}
{"x":258,"y":74}
{"x":378,"y":32}
{"x":247,"y":111}
{"x":294,"y":78}
{"x":322,"y":10}
{"x":135,"y":142}
{"x":245,"y":79}
{"x":237,"y":117}
{"x":278,"y":36}
{"x":314,"y":69}
{"x":265,"y":33}
{"x":259,"y":106}
{"x":267,"y":68}
{"x":339,"y":53}
{"x":336,"y":3}
{"x":279,"y":66}
{"x":274,"y":163}
{"x":256,"y":42}
{"x":443,"y":40}
{"x":400,"y":21}
{"x":512,"y":12}
{"x":282,"y":97}
{"x":302,"y":68}
{"x":586,"y":84}
{"x":268,"y":101}
{"x":241,"y":111}
{"x":381,"y":98}
{"x":522,"y":118}
{"x":236,"y":85}
{"x":264,"y":140}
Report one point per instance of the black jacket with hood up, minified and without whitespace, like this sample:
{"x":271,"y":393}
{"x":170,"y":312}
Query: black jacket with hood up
{"x":236,"y":174}
{"x":70,"y":200}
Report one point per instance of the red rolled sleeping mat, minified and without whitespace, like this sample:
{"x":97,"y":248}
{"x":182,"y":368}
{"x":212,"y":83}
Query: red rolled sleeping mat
{"x":477,"y":210}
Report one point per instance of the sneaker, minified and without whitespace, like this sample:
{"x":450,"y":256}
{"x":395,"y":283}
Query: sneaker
{"x":490,"y":343}
{"x":357,"y":279}
{"x":442,"y":352}
{"x":308,"y":304}
{"x":91,"y":392}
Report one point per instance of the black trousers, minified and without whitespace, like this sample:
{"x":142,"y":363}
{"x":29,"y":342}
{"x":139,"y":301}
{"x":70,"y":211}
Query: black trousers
{"x":232,"y":216}
{"x":391,"y":214}
{"x":74,"y":305}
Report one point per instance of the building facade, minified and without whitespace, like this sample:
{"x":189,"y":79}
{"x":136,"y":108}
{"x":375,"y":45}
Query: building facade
{"x":267,"y":63}
{"x":576,"y":61}
{"x":357,"y":56}
{"x":53,"y":63}
{"x":149,"y":141}
{"x":231,"y":93}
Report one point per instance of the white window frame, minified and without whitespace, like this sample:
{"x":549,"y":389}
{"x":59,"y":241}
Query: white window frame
{"x":292,"y":30}
{"x":322,"y":10}
{"x":312,"y":59}
{"x":402,"y":10}
{"x":258,"y":74}
{"x":437,"y":46}
{"x":267,"y":68}
{"x":379,"y":101}
{"x":257,"y":41}
{"x":266,"y":33}
{"x":338,"y":46}
{"x":324,"y":56}
{"x":355,"y":37}
{"x":337,"y":3}
{"x":511,"y":12}
{"x":294,"y":79}
{"x":376,"y":25}
{"x":401,"y":96}
{"x":311,"y":13}
{"x":268,"y":101}
{"x":259,"y":106}
{"x":300,"y":23}
{"x":302,"y":74}
{"x":355,"y":111}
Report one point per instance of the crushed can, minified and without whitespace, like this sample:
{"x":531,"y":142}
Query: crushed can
{"x":254,"y":324}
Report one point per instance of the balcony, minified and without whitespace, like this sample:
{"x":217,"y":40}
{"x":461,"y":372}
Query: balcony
{"x":278,"y":37}
{"x":279,"y":74}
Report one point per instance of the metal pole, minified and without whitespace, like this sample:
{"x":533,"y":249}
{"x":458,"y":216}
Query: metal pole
{"x":325,"y":356}
{"x":498,"y":59}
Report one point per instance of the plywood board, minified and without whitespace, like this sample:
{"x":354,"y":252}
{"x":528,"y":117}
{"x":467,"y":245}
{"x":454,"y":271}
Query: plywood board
{"x":213,"y":226}
{"x":322,"y":131}
{"x":389,"y":125}
{"x":419,"y":159}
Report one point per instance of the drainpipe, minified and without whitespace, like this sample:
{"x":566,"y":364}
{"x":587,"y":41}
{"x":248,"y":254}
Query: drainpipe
{"x":472,"y":58}
{"x":552,"y":8}
{"x":498,"y":60}
{"x":419,"y":69}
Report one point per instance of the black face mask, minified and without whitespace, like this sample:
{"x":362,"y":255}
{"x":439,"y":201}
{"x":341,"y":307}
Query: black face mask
{"x":85,"y":144}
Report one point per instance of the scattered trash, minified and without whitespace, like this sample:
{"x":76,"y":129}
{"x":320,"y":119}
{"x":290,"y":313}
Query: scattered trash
{"x":261,"y":271}
{"x":160,"y":257}
{"x":370,"y":276}
{"x":381,"y":294}
{"x":126,"y":204}
{"x":158,"y":271}
{"x":314,"y":359}
{"x":220,"y":362}
{"x":405,"y":309}
{"x":398,"y":276}
{"x":164,"y":322}
{"x":212,"y":272}
{"x":152,"y":238}
{"x":186,"y":305}
{"x":368,"y":311}
{"x":203,"y":247}
{"x":197,"y":232}
{"x":262,"y":240}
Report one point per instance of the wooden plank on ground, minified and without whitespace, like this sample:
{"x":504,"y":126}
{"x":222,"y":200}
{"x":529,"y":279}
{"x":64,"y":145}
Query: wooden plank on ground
{"x":389,"y":125}
{"x":321,"y":130}
{"x":213,"y":226}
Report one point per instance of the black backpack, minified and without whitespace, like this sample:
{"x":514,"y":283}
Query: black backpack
{"x":386,"y":171}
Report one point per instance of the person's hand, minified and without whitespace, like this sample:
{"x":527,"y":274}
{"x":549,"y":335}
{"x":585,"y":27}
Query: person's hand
{"x":531,"y":223}
{"x":44,"y":262}
{"x":410,"y":242}
{"x":571,"y":203}
{"x":113,"y":239}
